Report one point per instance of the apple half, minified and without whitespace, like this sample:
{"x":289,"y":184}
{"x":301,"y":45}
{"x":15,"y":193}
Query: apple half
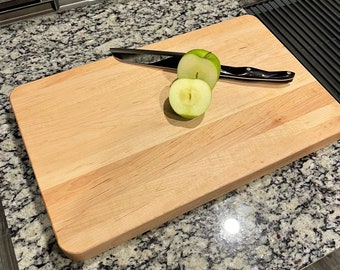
{"x":190,"y":98}
{"x":200,"y":64}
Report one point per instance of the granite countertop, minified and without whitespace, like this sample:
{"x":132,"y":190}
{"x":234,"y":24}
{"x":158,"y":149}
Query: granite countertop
{"x":285,"y":220}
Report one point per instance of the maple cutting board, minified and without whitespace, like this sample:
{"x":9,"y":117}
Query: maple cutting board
{"x":113,"y":161}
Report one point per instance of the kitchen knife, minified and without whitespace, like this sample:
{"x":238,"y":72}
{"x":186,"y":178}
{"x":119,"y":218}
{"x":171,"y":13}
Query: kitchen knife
{"x":169,"y":60}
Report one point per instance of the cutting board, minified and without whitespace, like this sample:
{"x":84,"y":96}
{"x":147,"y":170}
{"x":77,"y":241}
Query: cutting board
{"x":113,"y":161}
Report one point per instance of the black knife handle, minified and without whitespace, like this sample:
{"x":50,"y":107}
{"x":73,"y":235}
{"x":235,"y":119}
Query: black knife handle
{"x":255,"y":74}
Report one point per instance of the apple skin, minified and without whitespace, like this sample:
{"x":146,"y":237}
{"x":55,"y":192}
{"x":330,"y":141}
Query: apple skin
{"x":200,"y":64}
{"x":190,"y":98}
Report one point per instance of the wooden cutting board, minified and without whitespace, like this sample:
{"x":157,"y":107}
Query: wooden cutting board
{"x":113,"y":161}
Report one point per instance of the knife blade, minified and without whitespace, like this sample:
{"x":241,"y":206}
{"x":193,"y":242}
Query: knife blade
{"x":169,"y":60}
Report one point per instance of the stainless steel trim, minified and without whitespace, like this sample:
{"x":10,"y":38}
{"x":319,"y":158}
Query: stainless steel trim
{"x":69,"y":4}
{"x":33,"y":8}
{"x":8,"y":260}
{"x":23,"y":12}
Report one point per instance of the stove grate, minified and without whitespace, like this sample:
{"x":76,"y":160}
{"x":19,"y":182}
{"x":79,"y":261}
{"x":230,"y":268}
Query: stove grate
{"x":310,"y":29}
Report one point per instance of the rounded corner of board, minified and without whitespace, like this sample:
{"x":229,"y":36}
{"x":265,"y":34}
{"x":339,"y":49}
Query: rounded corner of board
{"x":73,"y":253}
{"x":16,"y":91}
{"x":251,"y":17}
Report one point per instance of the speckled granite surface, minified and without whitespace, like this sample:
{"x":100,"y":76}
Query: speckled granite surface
{"x":285,"y":220}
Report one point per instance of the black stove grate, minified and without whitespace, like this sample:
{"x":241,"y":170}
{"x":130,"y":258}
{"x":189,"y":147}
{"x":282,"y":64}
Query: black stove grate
{"x":310,"y":29}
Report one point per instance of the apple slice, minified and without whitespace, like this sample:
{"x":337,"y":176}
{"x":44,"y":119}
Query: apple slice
{"x":189,"y":98}
{"x":200,"y":64}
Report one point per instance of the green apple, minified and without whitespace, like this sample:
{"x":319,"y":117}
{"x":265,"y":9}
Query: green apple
{"x":200,"y":64}
{"x":189,"y":98}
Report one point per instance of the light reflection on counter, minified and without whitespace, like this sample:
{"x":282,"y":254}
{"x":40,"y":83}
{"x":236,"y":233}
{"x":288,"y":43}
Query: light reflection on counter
{"x":238,"y":227}
{"x":231,"y":226}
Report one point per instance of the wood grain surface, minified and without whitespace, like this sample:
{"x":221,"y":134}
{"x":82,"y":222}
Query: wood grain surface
{"x":112,"y":160}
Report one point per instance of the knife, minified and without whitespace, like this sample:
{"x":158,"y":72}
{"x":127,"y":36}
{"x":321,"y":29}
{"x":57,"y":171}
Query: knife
{"x":169,"y":61}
